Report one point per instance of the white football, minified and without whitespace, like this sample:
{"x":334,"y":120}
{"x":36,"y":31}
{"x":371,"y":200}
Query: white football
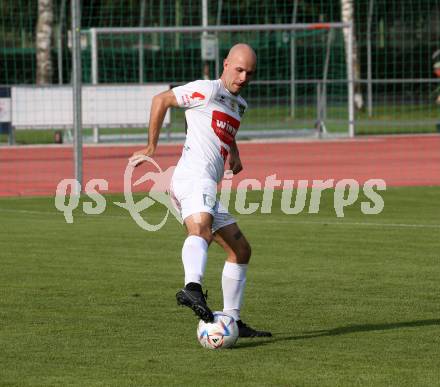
{"x":221,"y":333}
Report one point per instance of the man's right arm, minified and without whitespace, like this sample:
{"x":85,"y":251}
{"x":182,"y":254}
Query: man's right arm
{"x":159,"y":106}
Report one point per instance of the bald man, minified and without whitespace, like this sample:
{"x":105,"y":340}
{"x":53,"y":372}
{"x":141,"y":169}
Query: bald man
{"x":213,"y":111}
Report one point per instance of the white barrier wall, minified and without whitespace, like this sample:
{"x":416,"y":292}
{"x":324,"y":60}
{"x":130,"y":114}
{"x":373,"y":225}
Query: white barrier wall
{"x":5,"y":109}
{"x":102,"y":106}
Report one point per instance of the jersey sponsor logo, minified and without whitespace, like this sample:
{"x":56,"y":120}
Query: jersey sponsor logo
{"x":224,"y":126}
{"x":197,"y":95}
{"x":187,"y":99}
{"x":241,"y":109}
{"x":221,"y":99}
{"x":231,"y":103}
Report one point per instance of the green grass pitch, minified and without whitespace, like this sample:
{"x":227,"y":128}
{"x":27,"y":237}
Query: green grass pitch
{"x":351,"y":302}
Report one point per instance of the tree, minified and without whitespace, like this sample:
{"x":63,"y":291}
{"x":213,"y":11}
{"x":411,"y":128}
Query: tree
{"x":347,"y":16}
{"x":44,"y":42}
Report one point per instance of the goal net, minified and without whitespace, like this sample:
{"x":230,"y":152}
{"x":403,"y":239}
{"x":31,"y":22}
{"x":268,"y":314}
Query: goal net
{"x":301,"y":87}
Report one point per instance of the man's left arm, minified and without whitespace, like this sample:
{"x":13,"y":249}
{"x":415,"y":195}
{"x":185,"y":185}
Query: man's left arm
{"x":234,"y":159}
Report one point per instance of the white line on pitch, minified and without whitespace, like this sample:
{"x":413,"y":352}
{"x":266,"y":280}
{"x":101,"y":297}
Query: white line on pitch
{"x":343,"y":223}
{"x":278,"y":221}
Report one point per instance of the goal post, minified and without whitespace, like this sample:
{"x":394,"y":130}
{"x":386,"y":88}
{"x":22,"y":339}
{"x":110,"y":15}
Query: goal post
{"x":322,"y":71}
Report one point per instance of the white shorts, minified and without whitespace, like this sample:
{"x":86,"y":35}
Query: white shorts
{"x":191,"y":196}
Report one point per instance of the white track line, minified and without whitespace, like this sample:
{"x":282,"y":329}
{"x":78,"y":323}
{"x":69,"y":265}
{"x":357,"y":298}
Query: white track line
{"x":360,"y":139}
{"x":293,"y":222}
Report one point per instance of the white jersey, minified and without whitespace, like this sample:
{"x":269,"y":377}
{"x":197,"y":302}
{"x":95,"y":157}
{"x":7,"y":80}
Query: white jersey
{"x":213,"y":117}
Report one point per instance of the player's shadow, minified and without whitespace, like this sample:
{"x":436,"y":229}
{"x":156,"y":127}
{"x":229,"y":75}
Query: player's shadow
{"x":345,"y":330}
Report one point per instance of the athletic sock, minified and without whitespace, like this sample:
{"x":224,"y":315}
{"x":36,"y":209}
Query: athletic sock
{"x":194,"y":257}
{"x":233,"y":284}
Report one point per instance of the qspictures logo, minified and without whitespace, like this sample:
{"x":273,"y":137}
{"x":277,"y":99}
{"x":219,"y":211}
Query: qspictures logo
{"x":345,"y":193}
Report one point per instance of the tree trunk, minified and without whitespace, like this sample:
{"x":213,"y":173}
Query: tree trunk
{"x":44,"y":42}
{"x":347,"y":16}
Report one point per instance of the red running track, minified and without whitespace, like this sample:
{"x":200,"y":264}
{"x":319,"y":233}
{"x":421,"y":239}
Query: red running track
{"x":399,"y":160}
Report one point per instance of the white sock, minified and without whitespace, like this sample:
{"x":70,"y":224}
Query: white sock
{"x":194,"y":257}
{"x":233,"y":284}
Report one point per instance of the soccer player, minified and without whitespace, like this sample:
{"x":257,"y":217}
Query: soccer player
{"x":213,"y":113}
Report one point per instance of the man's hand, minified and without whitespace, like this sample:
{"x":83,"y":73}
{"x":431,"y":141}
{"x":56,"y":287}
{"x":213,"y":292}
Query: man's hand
{"x":235,"y":163}
{"x":234,"y":159}
{"x":160,"y":104}
{"x":138,"y":156}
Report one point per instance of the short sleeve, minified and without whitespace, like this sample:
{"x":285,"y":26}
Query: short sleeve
{"x":193,"y":94}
